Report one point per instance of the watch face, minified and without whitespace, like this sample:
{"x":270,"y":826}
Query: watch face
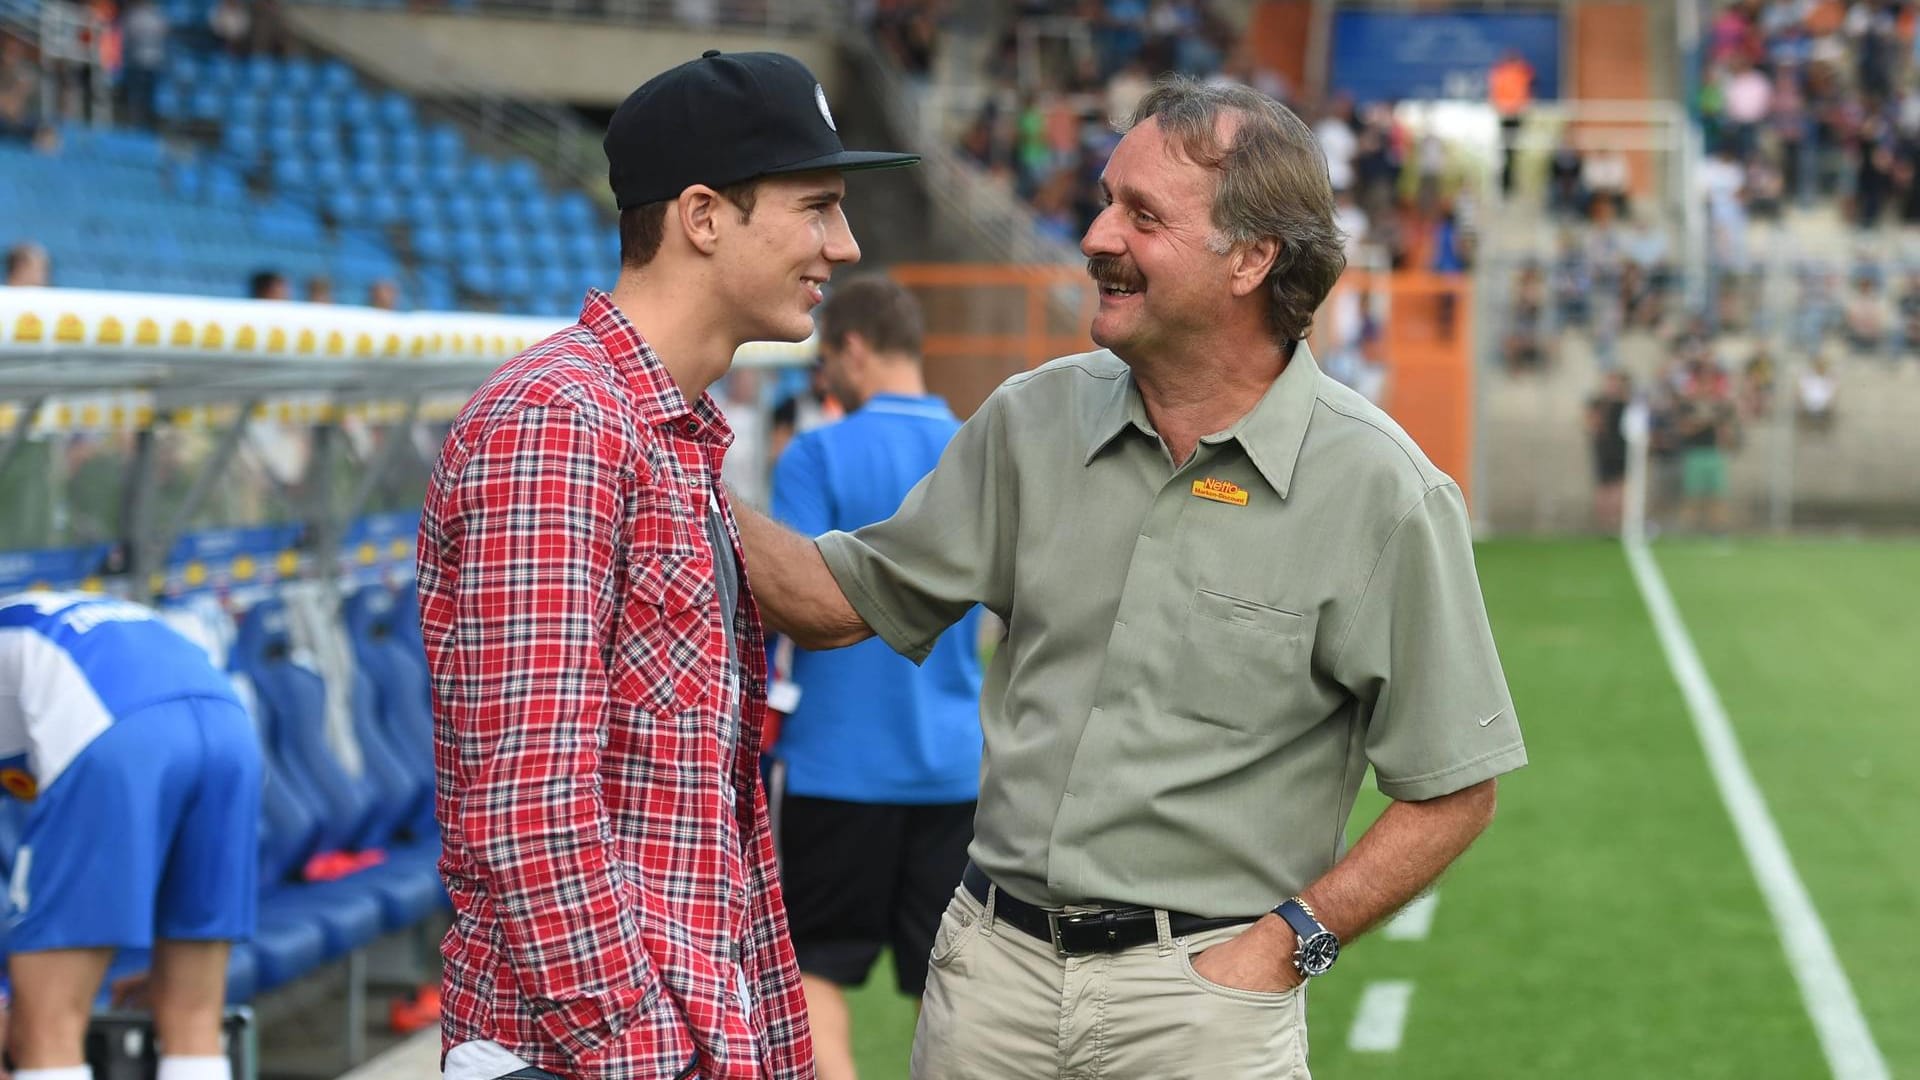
{"x":1317,"y":954}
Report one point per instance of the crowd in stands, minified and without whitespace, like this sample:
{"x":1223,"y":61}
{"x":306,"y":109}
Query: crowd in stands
{"x":1404,"y":196}
{"x":1811,"y":99}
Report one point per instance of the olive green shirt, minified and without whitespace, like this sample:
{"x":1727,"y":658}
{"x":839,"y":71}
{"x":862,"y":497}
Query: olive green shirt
{"x":1201,"y":661}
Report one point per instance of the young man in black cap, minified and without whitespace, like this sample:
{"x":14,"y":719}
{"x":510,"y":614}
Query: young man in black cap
{"x":598,"y":669}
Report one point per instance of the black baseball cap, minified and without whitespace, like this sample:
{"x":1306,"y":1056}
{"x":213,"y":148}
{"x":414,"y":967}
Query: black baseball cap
{"x":724,"y":119}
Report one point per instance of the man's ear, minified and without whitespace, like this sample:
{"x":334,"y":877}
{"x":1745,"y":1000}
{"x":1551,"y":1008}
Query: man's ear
{"x":697,"y":211}
{"x":1252,"y":262}
{"x":854,"y":348}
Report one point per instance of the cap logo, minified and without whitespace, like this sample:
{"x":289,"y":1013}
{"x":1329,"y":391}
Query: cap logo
{"x":820,"y":99}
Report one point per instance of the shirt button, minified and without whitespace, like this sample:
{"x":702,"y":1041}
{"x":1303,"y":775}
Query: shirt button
{"x":690,"y":427}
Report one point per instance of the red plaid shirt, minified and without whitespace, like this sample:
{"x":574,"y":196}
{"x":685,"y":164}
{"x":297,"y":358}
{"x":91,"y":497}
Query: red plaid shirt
{"x":611,"y":871}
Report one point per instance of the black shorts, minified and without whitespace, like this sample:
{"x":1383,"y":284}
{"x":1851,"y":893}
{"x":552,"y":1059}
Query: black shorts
{"x":860,"y":877}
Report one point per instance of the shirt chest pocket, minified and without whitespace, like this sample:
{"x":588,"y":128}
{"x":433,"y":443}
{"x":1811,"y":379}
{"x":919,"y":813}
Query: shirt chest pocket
{"x":671,"y":652}
{"x":1240,"y":661}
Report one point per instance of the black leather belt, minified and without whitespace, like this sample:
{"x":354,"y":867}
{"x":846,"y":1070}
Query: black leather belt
{"x":1078,"y":933}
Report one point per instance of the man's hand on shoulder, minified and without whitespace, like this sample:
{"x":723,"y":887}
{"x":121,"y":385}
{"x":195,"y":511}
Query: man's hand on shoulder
{"x":1260,"y":959}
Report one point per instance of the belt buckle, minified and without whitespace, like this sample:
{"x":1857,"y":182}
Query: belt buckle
{"x":1057,"y":920}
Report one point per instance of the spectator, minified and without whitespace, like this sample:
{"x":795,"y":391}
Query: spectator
{"x":144,"y":28}
{"x":319,"y":289}
{"x":384,"y":295}
{"x":28,"y":266}
{"x":876,"y":748}
{"x":231,"y":23}
{"x":1868,"y":317}
{"x":1525,"y":346}
{"x":1606,"y":434}
{"x":1909,"y":308}
{"x":1565,"y":196}
{"x":1749,"y":96}
{"x":799,"y":413}
{"x":269,"y":285}
{"x":1510,"y":89}
{"x":1705,"y":430}
{"x":19,"y":90}
{"x":1756,"y":388}
{"x":1338,"y":143}
{"x":1817,"y":392}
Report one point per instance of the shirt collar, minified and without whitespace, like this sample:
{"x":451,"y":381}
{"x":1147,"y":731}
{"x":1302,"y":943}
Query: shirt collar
{"x":660,"y":401}
{"x":1271,"y":433}
{"x":911,"y":404}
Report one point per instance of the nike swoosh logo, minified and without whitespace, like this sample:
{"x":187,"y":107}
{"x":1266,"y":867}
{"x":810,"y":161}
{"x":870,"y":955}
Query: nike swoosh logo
{"x":1492,"y":718}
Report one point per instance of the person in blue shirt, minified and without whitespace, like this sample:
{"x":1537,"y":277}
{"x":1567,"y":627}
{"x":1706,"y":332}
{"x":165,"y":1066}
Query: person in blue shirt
{"x":144,"y":775}
{"x":880,"y":759}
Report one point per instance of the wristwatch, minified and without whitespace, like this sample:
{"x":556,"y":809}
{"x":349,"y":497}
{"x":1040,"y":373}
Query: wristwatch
{"x":1317,"y":946}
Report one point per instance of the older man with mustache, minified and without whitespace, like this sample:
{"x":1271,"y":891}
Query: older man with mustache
{"x":1231,"y":585}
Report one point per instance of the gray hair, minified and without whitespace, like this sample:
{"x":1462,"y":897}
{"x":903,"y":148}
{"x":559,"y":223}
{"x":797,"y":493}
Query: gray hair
{"x":1273,"y":185}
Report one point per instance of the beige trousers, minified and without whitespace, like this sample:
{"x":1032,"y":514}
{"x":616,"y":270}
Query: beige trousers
{"x":1003,"y":1005}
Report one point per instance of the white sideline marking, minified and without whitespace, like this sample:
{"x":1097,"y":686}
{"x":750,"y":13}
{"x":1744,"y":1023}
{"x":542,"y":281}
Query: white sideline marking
{"x":1381,"y":1018}
{"x":1829,"y":998}
{"x":1415,"y":920}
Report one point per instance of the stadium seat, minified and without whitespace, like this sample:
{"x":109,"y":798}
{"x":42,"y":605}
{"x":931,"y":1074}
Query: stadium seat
{"x":396,"y":111}
{"x":520,"y":176}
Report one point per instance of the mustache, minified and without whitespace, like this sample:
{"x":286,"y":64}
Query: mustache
{"x":1106,"y":270}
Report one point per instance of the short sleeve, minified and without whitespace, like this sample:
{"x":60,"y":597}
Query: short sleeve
{"x":1419,"y":656}
{"x":948,"y":547}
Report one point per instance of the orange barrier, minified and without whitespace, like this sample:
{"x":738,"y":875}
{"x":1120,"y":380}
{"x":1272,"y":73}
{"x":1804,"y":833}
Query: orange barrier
{"x":986,"y":322}
{"x":1426,"y":346}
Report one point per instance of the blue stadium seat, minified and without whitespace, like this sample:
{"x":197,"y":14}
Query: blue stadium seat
{"x":406,"y":176}
{"x":515,"y":281}
{"x":368,"y":175}
{"x":322,"y":112}
{"x":520,"y":175}
{"x":220,"y":69}
{"x":293,"y":702}
{"x":406,"y":145}
{"x":167,"y":102}
{"x":396,"y":111}
{"x":478,"y":277}
{"x":335,"y":76}
{"x":554,"y":280}
{"x":534,"y":211}
{"x":283,"y":113}
{"x":296,"y":74}
{"x":368,"y":145}
{"x":262,"y":73}
{"x":497,"y":210}
{"x":383,"y":208}
{"x":461,"y":208}
{"x":329,"y":173}
{"x":432,"y":244}
{"x":184,"y":68}
{"x":291,"y":174}
{"x":244,"y":109}
{"x":357,"y":109}
{"x":483,"y":175}
{"x":575,"y":209}
{"x":445,"y":144}
{"x":205,"y":103}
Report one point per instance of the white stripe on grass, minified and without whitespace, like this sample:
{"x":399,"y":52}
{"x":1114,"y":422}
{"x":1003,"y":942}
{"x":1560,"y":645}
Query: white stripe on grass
{"x":1829,"y":998}
{"x":1381,"y":1018}
{"x":1415,"y":921}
